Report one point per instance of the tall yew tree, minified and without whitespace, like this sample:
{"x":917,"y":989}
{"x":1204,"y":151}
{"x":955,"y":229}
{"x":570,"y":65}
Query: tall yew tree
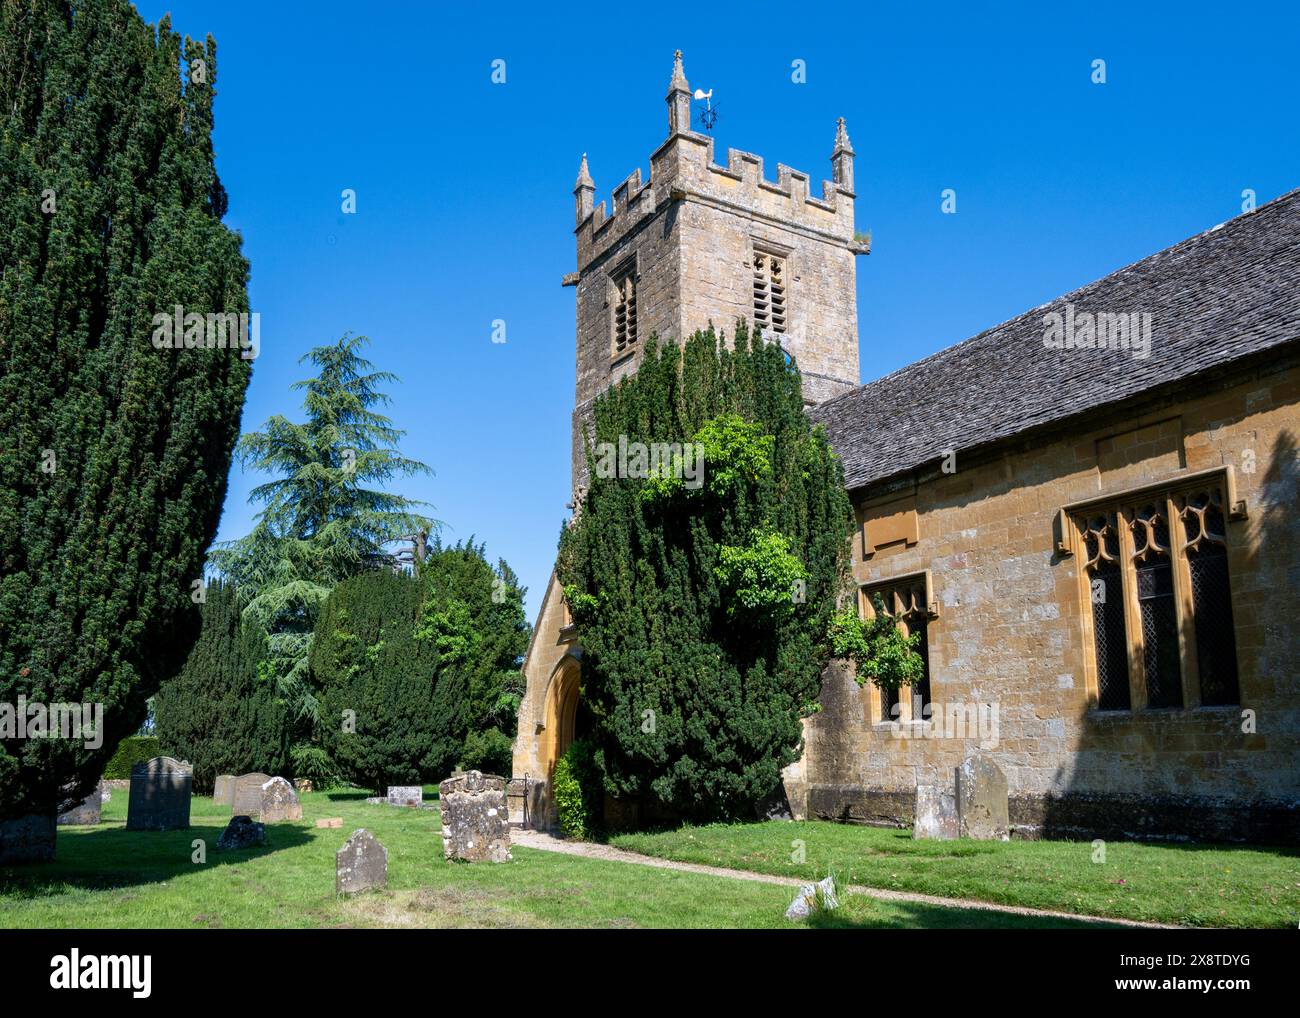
{"x":115,"y":453}
{"x":705,"y":609}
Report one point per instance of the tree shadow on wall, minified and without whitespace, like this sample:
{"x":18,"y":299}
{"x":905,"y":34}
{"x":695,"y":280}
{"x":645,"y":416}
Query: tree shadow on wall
{"x":1264,"y":578}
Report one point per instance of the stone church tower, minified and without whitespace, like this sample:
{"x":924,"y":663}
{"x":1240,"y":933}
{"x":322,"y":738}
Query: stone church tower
{"x":697,"y":243}
{"x":700,"y":242}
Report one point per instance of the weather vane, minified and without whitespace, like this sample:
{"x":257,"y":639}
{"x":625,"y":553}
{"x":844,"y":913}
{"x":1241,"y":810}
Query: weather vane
{"x":709,"y":114}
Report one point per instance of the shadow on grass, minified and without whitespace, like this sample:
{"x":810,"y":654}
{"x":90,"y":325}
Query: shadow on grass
{"x":112,"y":857}
{"x":903,"y":915}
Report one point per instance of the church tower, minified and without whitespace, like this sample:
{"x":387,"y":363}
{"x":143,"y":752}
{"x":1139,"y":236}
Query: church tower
{"x":701,"y":242}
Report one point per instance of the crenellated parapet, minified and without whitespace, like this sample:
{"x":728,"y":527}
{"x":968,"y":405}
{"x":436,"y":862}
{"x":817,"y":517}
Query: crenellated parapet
{"x":684,"y":169}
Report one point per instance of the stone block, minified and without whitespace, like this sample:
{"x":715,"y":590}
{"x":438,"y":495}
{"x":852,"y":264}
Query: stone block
{"x":27,"y":839}
{"x":247,"y":796}
{"x":223,"y":791}
{"x":982,"y":800}
{"x":279,"y":802}
{"x":361,"y":864}
{"x":241,"y":832}
{"x":475,"y":825}
{"x":405,"y":795}
{"x":936,"y":813}
{"x":87,"y":812}
{"x":160,"y":795}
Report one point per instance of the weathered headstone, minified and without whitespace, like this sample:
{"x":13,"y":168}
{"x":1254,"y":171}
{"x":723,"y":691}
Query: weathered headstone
{"x":936,"y":813}
{"x":86,"y":812}
{"x":475,"y":826}
{"x":982,"y":811}
{"x":160,"y":795}
{"x":247,"y":797}
{"x":303,"y":785}
{"x":405,"y":795}
{"x":27,"y":839}
{"x":279,"y":802}
{"x":241,"y":832}
{"x":329,"y":822}
{"x":223,"y":792}
{"x":362,"y":863}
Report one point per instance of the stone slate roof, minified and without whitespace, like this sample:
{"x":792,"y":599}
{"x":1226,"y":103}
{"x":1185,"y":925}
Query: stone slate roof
{"x":1223,"y":295}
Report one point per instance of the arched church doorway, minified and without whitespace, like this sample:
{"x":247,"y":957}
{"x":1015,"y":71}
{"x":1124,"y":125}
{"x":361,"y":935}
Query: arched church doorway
{"x":567,"y":716}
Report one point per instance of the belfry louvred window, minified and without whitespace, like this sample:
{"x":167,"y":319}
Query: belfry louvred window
{"x":1161,"y":606}
{"x":769,"y":292}
{"x":625,"y":312}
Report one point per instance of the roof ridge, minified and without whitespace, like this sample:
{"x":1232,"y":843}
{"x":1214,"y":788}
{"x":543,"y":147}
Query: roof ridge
{"x":1186,"y":242}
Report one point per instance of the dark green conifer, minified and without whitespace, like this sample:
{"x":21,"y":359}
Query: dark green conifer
{"x":115,"y":452}
{"x":704,"y":612}
{"x":221,"y":712}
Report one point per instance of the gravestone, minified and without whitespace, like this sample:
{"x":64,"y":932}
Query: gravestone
{"x":241,"y":832}
{"x":160,"y":795}
{"x":982,"y":811}
{"x":303,"y":785}
{"x":405,"y":795}
{"x":936,"y":813}
{"x":247,"y":797}
{"x":223,"y":792}
{"x":329,"y":822}
{"x":86,"y":812}
{"x":475,"y":826}
{"x":27,"y":839}
{"x":362,"y":863}
{"x":279,"y":802}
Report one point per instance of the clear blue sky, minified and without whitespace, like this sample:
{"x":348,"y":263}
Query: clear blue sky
{"x":464,"y":188}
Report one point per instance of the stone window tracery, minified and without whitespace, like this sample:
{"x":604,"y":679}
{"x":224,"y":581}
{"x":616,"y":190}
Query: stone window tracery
{"x":907,"y":602}
{"x":1161,"y":609}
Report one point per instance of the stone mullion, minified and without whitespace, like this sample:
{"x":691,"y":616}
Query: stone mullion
{"x":1132,"y":614}
{"x":875,"y":695}
{"x":904,"y":702}
{"x":1184,"y":606}
{"x":1091,"y":680}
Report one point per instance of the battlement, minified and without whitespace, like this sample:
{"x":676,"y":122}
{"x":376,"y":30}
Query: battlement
{"x":684,"y":169}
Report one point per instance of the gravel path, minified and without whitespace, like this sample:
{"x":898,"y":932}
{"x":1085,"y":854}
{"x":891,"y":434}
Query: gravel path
{"x":550,"y":843}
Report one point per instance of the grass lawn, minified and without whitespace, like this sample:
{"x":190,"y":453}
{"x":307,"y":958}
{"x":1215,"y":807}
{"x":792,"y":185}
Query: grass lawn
{"x":106,"y":876}
{"x":1197,"y":885}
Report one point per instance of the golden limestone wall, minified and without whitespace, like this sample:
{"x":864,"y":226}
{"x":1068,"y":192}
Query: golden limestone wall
{"x":1013,"y":631}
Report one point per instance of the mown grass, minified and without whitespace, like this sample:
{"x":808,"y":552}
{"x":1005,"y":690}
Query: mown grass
{"x":106,"y":876}
{"x":1191,"y":884}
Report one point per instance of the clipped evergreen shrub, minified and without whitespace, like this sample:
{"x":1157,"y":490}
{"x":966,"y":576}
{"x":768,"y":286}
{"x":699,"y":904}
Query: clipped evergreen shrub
{"x":473,"y":618}
{"x":376,"y":683}
{"x":132,"y":750}
{"x":221,"y":712}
